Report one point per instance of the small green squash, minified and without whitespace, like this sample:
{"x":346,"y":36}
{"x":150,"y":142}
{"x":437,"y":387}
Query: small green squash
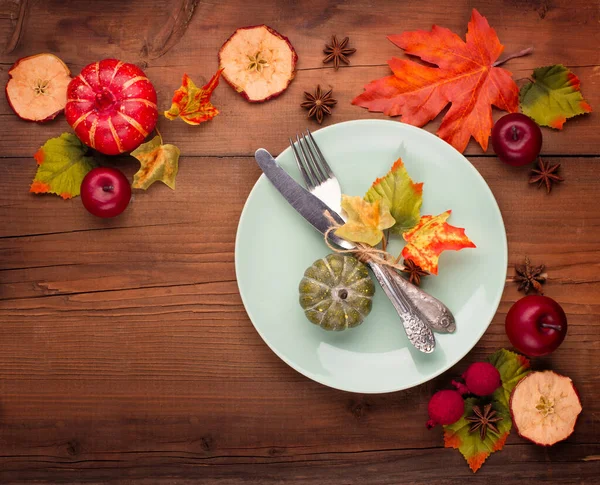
{"x":337,"y":292}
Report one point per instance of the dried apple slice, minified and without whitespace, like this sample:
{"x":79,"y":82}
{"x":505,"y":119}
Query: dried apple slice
{"x":37,"y":88}
{"x":544,"y":407}
{"x":258,"y":62}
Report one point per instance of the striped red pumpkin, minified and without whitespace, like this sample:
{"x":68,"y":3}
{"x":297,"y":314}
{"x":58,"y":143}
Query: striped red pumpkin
{"x":111,"y":106}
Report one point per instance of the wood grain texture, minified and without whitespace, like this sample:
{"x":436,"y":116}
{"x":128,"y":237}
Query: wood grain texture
{"x":127,"y":356}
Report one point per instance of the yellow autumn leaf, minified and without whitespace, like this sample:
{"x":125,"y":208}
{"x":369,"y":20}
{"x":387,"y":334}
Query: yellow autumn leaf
{"x":157,"y":162}
{"x":366,"y":220}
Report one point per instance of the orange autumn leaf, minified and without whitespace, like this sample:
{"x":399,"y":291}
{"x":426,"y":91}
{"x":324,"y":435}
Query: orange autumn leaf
{"x":465,"y":76}
{"x":430,"y":237}
{"x":191,"y":103}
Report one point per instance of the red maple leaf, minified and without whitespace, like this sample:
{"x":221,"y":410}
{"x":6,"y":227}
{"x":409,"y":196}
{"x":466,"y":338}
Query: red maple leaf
{"x":465,"y":76}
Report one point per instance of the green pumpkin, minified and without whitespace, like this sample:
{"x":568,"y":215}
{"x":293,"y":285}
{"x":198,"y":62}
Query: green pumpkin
{"x":337,"y":292}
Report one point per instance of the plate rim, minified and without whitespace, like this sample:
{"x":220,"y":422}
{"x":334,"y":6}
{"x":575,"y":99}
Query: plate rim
{"x":262,"y":179}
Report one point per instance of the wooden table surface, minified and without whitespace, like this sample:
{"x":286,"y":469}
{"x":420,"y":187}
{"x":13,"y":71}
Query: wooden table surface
{"x":126,"y":354}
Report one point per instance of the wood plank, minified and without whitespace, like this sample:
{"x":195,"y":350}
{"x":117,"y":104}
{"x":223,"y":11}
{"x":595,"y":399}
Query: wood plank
{"x":87,"y":33}
{"x":516,"y":464}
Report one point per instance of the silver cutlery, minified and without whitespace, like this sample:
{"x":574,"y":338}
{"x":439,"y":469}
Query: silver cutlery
{"x":322,"y":182}
{"x":313,"y":209}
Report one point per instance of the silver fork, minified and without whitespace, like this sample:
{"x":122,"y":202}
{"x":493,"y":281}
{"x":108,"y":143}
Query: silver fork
{"x":420,"y":312}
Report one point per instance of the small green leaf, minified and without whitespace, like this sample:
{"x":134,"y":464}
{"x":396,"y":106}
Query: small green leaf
{"x":401,"y":195}
{"x":62,"y":165}
{"x":512,"y":367}
{"x":157,"y":162}
{"x":553,"y":96}
{"x":470,"y":445}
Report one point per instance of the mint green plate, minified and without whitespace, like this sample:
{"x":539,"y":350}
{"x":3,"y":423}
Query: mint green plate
{"x":274,"y":246}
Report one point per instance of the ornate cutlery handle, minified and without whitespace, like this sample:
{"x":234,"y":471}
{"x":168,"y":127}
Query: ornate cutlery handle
{"x":437,"y":315}
{"x":418,"y":332}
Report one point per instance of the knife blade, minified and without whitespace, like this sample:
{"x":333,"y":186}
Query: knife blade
{"x":313,"y":210}
{"x":306,"y":204}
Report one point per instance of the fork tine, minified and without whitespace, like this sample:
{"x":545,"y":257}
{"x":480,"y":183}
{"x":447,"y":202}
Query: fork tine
{"x":301,"y":167}
{"x":307,"y":149}
{"x":324,"y":165}
{"x":309,"y":165}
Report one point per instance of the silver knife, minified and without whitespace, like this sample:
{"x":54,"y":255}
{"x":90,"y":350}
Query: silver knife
{"x":313,"y":210}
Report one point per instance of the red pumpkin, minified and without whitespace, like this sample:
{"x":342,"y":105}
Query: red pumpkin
{"x":111,"y":106}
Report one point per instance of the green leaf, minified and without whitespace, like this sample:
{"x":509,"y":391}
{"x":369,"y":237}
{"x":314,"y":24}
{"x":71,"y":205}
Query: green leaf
{"x":62,"y":165}
{"x":512,"y":367}
{"x":470,"y":445}
{"x":402,"y":196}
{"x":157,"y":162}
{"x":553,"y":96}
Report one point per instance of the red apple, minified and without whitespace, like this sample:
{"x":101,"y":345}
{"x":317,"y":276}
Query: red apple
{"x":111,"y":106}
{"x":105,"y":192}
{"x":516,"y":139}
{"x":536,"y":325}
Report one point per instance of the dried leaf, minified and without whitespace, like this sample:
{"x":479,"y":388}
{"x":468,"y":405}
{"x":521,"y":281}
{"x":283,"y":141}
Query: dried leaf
{"x":401,"y":194}
{"x":472,"y":447}
{"x":158,"y":162}
{"x":431,"y":236}
{"x":366,"y":220}
{"x":191,"y":103}
{"x":62,"y":165}
{"x":512,"y":367}
{"x":553,"y":96}
{"x":465,"y":76}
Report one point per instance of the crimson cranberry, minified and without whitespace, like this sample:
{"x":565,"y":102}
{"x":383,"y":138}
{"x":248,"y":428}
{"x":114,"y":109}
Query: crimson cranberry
{"x":105,"y":192}
{"x":536,"y":325}
{"x":516,"y":139}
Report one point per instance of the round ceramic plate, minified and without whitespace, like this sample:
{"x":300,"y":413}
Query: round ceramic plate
{"x":274,"y":246}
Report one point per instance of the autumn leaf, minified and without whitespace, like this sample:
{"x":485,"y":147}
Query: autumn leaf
{"x":465,"y":76}
{"x":431,"y":236}
{"x":366,"y":220}
{"x":553,"y":96}
{"x":472,"y":447}
{"x":158,"y":162}
{"x":512,"y":367}
{"x":191,"y":103}
{"x":401,"y":194}
{"x":62,"y":165}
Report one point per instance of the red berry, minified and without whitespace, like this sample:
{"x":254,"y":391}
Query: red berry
{"x":516,"y":139}
{"x":481,"y":379}
{"x":445,"y":407}
{"x":105,"y":192}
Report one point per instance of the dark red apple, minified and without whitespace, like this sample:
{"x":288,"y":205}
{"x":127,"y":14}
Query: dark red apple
{"x":105,"y":192}
{"x":516,"y":139}
{"x":536,"y":325}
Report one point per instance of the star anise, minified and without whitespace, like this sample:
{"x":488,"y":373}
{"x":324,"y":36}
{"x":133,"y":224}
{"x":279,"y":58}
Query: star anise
{"x":318,"y":104}
{"x":414,"y":271}
{"x":545,"y":174}
{"x":337,"y":51}
{"x":529,"y":276}
{"x":483,"y":420}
